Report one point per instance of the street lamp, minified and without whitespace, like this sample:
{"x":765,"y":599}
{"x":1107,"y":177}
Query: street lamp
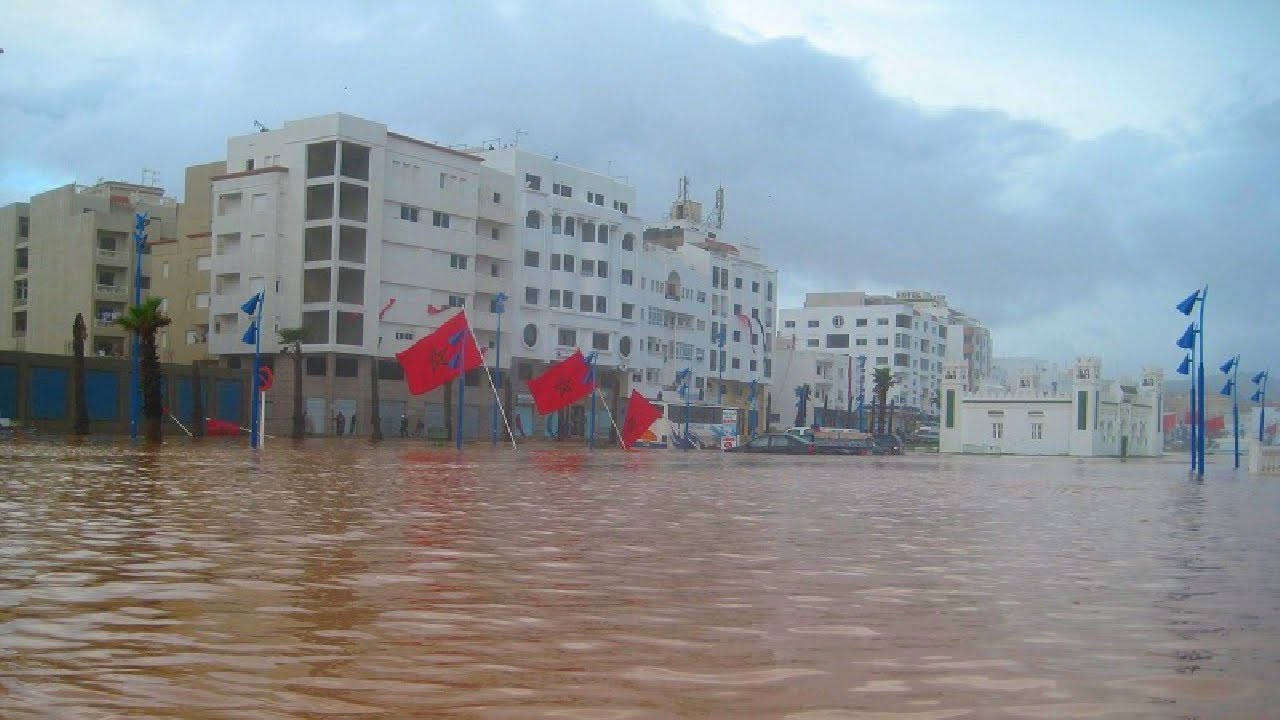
{"x":1233,"y":366}
{"x":720,"y":363}
{"x":1260,"y":396}
{"x":1188,"y":342}
{"x":682,"y":381}
{"x":140,"y":223}
{"x":499,"y":307}
{"x":1184,"y":368}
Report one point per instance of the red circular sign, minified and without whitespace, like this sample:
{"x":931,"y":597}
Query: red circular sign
{"x":265,"y":378}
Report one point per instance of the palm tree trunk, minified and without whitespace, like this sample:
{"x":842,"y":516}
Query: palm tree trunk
{"x":152,"y":398}
{"x":299,"y":430}
{"x":81,"y":414}
{"x":375,"y":414}
{"x":197,"y":400}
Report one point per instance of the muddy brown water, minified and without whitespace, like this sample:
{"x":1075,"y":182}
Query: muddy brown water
{"x":339,"y":579}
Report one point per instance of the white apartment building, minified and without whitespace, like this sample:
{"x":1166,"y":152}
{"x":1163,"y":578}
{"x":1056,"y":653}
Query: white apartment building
{"x":336,"y":217}
{"x":830,"y":377}
{"x":908,"y":336}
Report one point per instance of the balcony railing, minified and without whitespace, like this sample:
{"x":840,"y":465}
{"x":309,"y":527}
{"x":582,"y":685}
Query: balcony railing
{"x":106,"y":323}
{"x":19,"y":300}
{"x":108,"y":254}
{"x":112,"y":290}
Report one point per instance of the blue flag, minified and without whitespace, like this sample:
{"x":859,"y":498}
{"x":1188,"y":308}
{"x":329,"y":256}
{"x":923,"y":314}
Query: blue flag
{"x":250,"y":307}
{"x":1228,"y":365}
{"x":250,"y":336}
{"x":1188,"y":339}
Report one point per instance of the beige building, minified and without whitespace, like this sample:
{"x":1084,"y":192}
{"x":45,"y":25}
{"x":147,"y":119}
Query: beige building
{"x":183,"y":262}
{"x":72,"y":251}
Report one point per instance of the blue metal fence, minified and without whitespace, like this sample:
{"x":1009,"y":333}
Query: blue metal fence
{"x":102,"y":394}
{"x":47,"y":393}
{"x":8,"y":391}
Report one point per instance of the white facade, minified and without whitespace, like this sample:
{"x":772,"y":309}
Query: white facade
{"x":335,"y":217}
{"x":1010,"y":373}
{"x":1091,"y":417}
{"x":909,"y":337}
{"x":827,"y":374}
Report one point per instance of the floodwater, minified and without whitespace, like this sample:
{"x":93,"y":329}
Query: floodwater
{"x":338,"y":579}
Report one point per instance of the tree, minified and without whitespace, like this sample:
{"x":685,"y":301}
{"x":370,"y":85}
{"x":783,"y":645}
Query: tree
{"x":145,"y":321}
{"x":81,"y":414}
{"x":293,"y":338}
{"x":881,"y":382}
{"x":375,"y":413}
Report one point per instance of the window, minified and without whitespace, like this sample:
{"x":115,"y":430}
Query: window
{"x":624,"y":346}
{"x":229,"y":204}
{"x":497,"y":198}
{"x":602,"y":234}
{"x":568,"y":299}
{"x":788,"y":323}
{"x":600,"y":341}
{"x":317,"y":365}
{"x":997,"y":430}
{"x":458,"y":262}
{"x":813,"y":323}
{"x":737,"y":336}
{"x":882,"y":321}
{"x":439,"y":219}
{"x":568,"y":226}
{"x":837,"y":341}
{"x":346,"y":367}
{"x":531,"y":295}
{"x":531,"y":258}
{"x":737,"y":283}
{"x":882,"y":341}
{"x":768,"y":367}
{"x":24,"y":226}
{"x":557,"y":224}
{"x":588,"y":267}
{"x":882,"y":361}
{"x":837,"y":321}
{"x":495,"y":234}
{"x":626,"y":277}
{"x":702,"y":297}
{"x":860,"y":342}
{"x":555,"y":261}
{"x":602,"y":304}
{"x":586,"y":303}
{"x":530,"y":335}
{"x":737,"y":310}
{"x":404,"y":335}
{"x":628,"y":242}
{"x":1037,"y":431}
{"x":595,"y":198}
{"x":736,"y":364}
{"x":568,"y":263}
{"x":602,"y":269}
{"x":628,"y":311}
{"x":811,"y":342}
{"x":532,"y":182}
{"x":860,"y":322}
{"x":567,"y":337}
{"x":409,"y":213}
{"x":562,"y":190}
{"x":457,"y":301}
{"x":554,"y":298}
{"x":752,"y":366}
{"x":533,"y":219}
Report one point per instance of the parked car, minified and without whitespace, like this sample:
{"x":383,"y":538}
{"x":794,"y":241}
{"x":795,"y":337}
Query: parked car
{"x":887,"y":444}
{"x":778,"y":444}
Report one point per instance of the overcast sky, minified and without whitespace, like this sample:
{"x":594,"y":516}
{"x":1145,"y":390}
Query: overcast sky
{"x":1066,"y":172}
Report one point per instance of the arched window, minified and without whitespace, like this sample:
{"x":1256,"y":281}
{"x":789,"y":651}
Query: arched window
{"x":533,"y":219}
{"x":624,"y":346}
{"x":673,"y":286}
{"x":530,"y":335}
{"x":629,"y":242}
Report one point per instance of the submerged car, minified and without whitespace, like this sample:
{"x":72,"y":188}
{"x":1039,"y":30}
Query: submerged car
{"x":777,"y":444}
{"x":887,"y":444}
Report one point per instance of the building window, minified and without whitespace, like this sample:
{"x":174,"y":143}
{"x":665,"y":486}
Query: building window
{"x":458,"y":262}
{"x":497,"y":198}
{"x":24,"y":226}
{"x":788,"y":323}
{"x":882,"y":321}
{"x":860,"y":322}
{"x":404,"y":336}
{"x":600,"y":341}
{"x":837,"y":321}
{"x":752,"y":366}
{"x":811,"y":342}
{"x":555,"y":261}
{"x":624,"y":346}
{"x":567,"y":337}
{"x":531,"y":258}
{"x":736,"y":364}
{"x":531,"y":295}
{"x":568,"y":263}
{"x":837,"y":341}
{"x":588,"y":267}
{"x":530,"y":335}
{"x":626,"y":277}
{"x":557,"y":224}
{"x":439,"y":219}
{"x":317,"y":366}
{"x":585,"y":303}
{"x":629,"y":242}
{"x":602,"y":269}
{"x":882,"y":341}
{"x":554,"y":298}
{"x":737,"y":283}
{"x":997,"y":430}
{"x":1037,"y":431}
{"x":602,"y":234}
{"x":813,"y":323}
{"x":457,"y":301}
{"x":532,"y":182}
{"x":882,"y":361}
{"x":568,"y":227}
{"x":628,"y":311}
{"x":533,"y":219}
{"x":602,"y":304}
{"x":409,"y":213}
{"x":860,"y":341}
{"x":737,"y":309}
{"x":568,"y":299}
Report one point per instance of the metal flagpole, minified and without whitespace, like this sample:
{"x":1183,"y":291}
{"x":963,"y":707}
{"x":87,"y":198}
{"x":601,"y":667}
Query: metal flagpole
{"x":254,"y":424}
{"x":616,"y":430}
{"x":499,"y":308}
{"x":140,"y":221}
{"x":1200,"y":379}
{"x":506,"y":423}
{"x":591,"y":424}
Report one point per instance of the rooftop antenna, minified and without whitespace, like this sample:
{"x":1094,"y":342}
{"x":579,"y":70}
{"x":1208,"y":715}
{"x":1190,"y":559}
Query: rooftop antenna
{"x":717,"y":215}
{"x":261,"y":127}
{"x":150,"y":178}
{"x":683,"y":194}
{"x":519,"y":132}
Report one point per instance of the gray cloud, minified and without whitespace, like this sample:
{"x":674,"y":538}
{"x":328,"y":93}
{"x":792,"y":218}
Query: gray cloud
{"x":1057,"y":243}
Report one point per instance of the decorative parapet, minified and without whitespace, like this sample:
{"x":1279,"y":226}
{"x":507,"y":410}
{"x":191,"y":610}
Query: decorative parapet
{"x":1021,"y":395}
{"x":1264,"y":459}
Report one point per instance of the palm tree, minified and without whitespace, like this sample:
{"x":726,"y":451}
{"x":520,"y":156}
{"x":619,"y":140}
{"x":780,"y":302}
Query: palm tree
{"x":145,"y":321}
{"x":880,"y":383}
{"x":293,"y":338}
{"x":81,"y":414}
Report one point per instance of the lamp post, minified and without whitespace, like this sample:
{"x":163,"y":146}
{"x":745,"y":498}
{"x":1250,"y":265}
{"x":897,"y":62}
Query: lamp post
{"x":1233,"y":366}
{"x":1185,"y":307}
{"x":682,"y":380}
{"x":253,"y":336}
{"x":1184,"y":368}
{"x":499,"y":307}
{"x":1260,"y":396}
{"x":862,"y":382}
{"x":140,"y":222}
{"x":720,"y":364}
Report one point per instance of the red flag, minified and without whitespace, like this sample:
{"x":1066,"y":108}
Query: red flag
{"x":433,"y":310}
{"x":1215,"y":424}
{"x":386,"y":307}
{"x":563,"y":384}
{"x":640,"y":415}
{"x":440,"y":357}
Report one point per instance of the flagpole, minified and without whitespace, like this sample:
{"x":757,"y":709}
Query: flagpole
{"x":505,"y":422}
{"x":591,"y":425}
{"x":616,"y":430}
{"x":257,"y":373}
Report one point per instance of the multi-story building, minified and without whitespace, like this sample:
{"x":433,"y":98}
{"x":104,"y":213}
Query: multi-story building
{"x":72,"y":252}
{"x":908,"y":333}
{"x":826,"y":375}
{"x":367,"y":239}
{"x":183,"y":278}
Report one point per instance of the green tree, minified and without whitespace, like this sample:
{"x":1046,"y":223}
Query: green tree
{"x":81,"y":411}
{"x":293,"y":338}
{"x":145,"y":321}
{"x":881,"y":381}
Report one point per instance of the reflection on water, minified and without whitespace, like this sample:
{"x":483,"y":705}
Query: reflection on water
{"x":340,"y":579}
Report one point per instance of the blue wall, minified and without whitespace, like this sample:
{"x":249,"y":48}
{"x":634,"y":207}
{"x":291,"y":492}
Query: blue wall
{"x":185,"y":398}
{"x":228,"y":394}
{"x":102,"y":394}
{"x":8,"y":391}
{"x":47,"y":393}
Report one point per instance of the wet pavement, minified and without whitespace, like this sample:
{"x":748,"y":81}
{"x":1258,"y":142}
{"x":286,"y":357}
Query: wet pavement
{"x":342,"y":579}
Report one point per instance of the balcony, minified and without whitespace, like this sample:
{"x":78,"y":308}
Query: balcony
{"x":108,"y":255}
{"x":488,"y":247}
{"x":105,"y":326}
{"x":113,"y":291}
{"x":489,"y":285}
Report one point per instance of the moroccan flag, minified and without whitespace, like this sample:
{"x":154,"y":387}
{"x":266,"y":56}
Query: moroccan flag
{"x":563,"y":384}
{"x":440,"y":357}
{"x":640,"y":415}
{"x":1215,"y":424}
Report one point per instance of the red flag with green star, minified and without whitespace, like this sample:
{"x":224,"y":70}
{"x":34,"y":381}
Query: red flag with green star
{"x":441,"y":356}
{"x":563,"y":384}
